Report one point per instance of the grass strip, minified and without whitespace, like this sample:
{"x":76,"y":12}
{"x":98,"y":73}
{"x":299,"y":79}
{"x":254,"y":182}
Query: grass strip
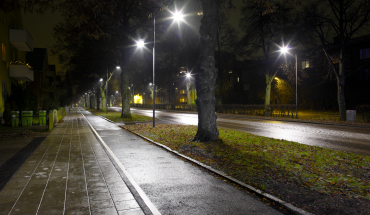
{"x":283,"y":168}
{"x":116,"y":116}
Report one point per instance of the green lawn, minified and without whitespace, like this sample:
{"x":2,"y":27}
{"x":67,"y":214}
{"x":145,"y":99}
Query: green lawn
{"x":116,"y":116}
{"x":284,"y":168}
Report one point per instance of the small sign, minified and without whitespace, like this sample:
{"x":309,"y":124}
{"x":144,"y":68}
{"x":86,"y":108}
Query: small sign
{"x":351,"y":115}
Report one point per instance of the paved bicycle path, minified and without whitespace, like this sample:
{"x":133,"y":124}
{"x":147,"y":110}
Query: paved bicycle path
{"x":173,"y":185}
{"x":69,"y":173}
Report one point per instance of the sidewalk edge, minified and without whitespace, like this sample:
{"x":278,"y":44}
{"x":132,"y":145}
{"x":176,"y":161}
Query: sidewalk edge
{"x":143,"y":196}
{"x":270,"y":197}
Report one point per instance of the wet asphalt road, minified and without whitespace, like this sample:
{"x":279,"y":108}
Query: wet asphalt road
{"x":173,"y":185}
{"x":343,"y":138}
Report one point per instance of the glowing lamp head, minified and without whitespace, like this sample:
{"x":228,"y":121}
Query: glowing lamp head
{"x":140,"y":43}
{"x":178,"y":16}
{"x":284,"y":49}
{"x":188,"y":75}
{"x":118,"y":67}
{"x":101,"y":79}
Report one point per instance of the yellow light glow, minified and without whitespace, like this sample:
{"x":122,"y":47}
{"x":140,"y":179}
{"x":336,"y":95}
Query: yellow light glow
{"x":138,"y":99}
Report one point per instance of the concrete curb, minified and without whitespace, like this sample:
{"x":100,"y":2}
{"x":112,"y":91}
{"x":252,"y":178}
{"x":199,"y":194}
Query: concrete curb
{"x":105,"y":118}
{"x":270,"y":197}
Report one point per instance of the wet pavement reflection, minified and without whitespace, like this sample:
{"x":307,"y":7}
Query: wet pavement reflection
{"x":344,"y":138}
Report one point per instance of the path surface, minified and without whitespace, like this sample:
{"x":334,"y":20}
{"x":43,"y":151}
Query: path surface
{"x":173,"y":185}
{"x":69,"y":173}
{"x":343,"y":138}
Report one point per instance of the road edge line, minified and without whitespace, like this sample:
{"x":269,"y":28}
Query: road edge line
{"x":143,"y":196}
{"x":287,"y":205}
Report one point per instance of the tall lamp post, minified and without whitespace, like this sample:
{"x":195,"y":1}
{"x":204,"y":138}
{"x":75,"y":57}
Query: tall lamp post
{"x":177,"y":16}
{"x":285,"y":50}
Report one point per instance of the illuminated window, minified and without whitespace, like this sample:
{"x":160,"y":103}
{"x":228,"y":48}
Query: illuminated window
{"x":245,"y":75}
{"x":3,"y":51}
{"x":335,"y":58}
{"x":4,"y":90}
{"x":182,"y":91}
{"x":305,"y":64}
{"x":365,"y":53}
{"x":182,"y":100}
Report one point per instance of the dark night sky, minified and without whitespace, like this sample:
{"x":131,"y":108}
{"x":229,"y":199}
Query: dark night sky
{"x":41,"y":26}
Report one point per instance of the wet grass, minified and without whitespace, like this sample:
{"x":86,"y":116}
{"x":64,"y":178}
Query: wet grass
{"x":283,"y":168}
{"x":116,"y":116}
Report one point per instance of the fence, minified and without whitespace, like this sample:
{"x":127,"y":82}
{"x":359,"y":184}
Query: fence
{"x":284,"y":110}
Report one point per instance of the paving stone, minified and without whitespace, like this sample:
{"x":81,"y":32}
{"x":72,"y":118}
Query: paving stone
{"x":126,"y":205}
{"x":137,"y":211}
{"x":122,"y":197}
{"x":104,"y":211}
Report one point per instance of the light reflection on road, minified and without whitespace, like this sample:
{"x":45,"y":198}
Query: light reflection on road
{"x":352,"y":139}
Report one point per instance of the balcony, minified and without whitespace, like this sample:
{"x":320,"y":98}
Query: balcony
{"x":20,"y":72}
{"x":21,"y":39}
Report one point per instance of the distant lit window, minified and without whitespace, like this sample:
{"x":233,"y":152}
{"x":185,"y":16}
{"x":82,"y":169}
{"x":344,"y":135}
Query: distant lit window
{"x":3,"y":51}
{"x":182,"y":91}
{"x":4,"y":90}
{"x":182,"y":100}
{"x":305,"y":64}
{"x":365,"y":53}
{"x":335,"y":58}
{"x":245,"y":75}
{"x":247,"y":86}
{"x":237,"y":79}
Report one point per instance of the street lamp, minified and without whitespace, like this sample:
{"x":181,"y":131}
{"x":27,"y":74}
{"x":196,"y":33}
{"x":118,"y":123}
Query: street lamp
{"x":177,"y":16}
{"x":285,"y":50}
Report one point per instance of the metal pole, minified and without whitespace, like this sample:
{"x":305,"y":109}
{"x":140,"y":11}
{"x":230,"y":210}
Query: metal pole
{"x":296,"y":88}
{"x":106,"y":96}
{"x":154,"y":74}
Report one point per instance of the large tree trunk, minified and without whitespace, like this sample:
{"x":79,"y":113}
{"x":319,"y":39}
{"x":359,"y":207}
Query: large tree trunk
{"x":188,"y":92}
{"x":341,"y":83}
{"x":103,"y":96}
{"x":125,"y":91}
{"x":268,"y":96}
{"x":206,"y":74}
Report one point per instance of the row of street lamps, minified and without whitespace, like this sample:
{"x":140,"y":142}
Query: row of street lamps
{"x":178,"y":16}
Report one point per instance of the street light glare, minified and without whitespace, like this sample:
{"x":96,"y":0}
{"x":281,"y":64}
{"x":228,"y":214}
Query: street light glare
{"x":101,"y":79}
{"x":118,"y":67}
{"x":188,"y":75}
{"x":140,"y":43}
{"x":177,"y":16}
{"x":284,"y":49}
